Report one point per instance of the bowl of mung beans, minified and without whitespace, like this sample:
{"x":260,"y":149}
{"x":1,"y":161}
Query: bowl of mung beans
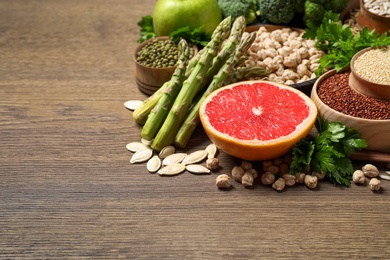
{"x":155,"y":62}
{"x":370,"y":72}
{"x":337,"y":101}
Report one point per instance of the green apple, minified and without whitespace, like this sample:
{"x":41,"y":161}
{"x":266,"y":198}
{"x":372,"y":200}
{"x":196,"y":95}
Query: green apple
{"x":170,"y":15}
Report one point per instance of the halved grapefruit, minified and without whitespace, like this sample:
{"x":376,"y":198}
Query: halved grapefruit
{"x":257,"y":120}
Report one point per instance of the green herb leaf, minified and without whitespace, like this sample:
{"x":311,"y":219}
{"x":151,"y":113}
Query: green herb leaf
{"x":147,"y":29}
{"x":339,"y":42}
{"x":196,"y":36}
{"x":328,"y":151}
{"x":302,"y":154}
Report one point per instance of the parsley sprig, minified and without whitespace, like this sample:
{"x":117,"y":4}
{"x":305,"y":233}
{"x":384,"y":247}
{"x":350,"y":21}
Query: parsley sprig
{"x":196,"y":36}
{"x":339,"y":42}
{"x":328,"y":151}
{"x":146,"y":28}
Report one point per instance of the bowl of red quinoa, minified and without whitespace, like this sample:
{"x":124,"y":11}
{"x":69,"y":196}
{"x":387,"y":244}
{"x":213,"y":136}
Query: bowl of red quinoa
{"x":370,"y":72}
{"x":337,"y":101}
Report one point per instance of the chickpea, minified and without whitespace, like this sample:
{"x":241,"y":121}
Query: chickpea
{"x":289,"y":179}
{"x":223,"y":181}
{"x":277,"y":35}
{"x":300,"y":177}
{"x":358,"y":177}
{"x":279,"y":184}
{"x":268,"y":178}
{"x":212,"y":163}
{"x":374,"y":184}
{"x":247,"y":179}
{"x":311,"y":181}
{"x":302,"y":70}
{"x":273,"y":169}
{"x":370,"y":171}
{"x":267,"y":164}
{"x":320,"y":175}
{"x":237,"y":173}
{"x":253,"y":171}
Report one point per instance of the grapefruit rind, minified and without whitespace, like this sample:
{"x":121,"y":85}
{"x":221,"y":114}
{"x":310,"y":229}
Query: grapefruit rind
{"x":257,"y":150}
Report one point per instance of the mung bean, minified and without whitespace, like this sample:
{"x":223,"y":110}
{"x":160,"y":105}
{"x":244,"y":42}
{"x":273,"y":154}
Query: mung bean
{"x":158,"y":54}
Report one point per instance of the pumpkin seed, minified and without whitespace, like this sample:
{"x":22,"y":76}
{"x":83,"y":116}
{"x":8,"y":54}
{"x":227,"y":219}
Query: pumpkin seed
{"x":384,"y":176}
{"x":172,"y":169}
{"x":146,"y":142}
{"x":166,"y":151}
{"x":388,"y":172}
{"x":154,"y":164}
{"x":136,"y":146}
{"x":141,"y":156}
{"x":195,"y":157}
{"x":174,"y":158}
{"x":211,"y":151}
{"x":133,"y":104}
{"x":197,"y":169}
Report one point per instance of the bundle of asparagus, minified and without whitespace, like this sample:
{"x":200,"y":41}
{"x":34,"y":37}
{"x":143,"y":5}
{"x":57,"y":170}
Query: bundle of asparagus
{"x":171,"y":114}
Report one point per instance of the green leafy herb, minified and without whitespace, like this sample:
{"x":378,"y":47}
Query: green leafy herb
{"x":196,"y":36}
{"x":147,"y":29}
{"x":339,"y":42}
{"x":328,"y":151}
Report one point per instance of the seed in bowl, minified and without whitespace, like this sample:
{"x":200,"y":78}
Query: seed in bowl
{"x":374,"y":65}
{"x":159,"y":54}
{"x":379,"y":7}
{"x":336,"y":93}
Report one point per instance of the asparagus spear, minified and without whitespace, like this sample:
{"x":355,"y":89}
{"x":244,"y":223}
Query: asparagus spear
{"x":158,"y":114}
{"x":228,"y":47}
{"x":140,"y":114}
{"x":192,"y":119}
{"x":191,"y":86}
{"x":246,"y":73}
{"x":193,"y":62}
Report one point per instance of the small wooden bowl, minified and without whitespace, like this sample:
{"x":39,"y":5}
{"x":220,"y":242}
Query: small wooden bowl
{"x":372,"y":21}
{"x":150,"y":79}
{"x":364,"y":86}
{"x":375,"y":132}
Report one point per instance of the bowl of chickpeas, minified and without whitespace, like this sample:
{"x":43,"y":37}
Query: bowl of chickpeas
{"x":290,"y":58}
{"x":155,"y":62}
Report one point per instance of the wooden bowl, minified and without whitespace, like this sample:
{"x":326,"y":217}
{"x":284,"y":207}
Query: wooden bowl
{"x":150,"y":79}
{"x":364,"y":86}
{"x":375,"y":132}
{"x":373,"y":21}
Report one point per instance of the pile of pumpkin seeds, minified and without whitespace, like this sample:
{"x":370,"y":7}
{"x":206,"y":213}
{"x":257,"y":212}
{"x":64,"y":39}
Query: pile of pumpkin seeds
{"x":169,"y":162}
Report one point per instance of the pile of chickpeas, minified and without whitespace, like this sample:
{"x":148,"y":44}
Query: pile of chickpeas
{"x":289,"y":57}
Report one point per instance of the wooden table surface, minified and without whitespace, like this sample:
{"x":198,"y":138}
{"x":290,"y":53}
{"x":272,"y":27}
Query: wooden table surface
{"x":68,"y":190}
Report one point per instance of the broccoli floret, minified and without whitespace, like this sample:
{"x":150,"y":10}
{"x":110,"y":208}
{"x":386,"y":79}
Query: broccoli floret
{"x":315,"y":9}
{"x":314,"y":12}
{"x":336,"y":6}
{"x":278,"y":11}
{"x":236,"y":8}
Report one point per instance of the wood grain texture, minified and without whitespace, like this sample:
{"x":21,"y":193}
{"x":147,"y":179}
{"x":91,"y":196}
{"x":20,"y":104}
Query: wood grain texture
{"x":68,"y":190}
